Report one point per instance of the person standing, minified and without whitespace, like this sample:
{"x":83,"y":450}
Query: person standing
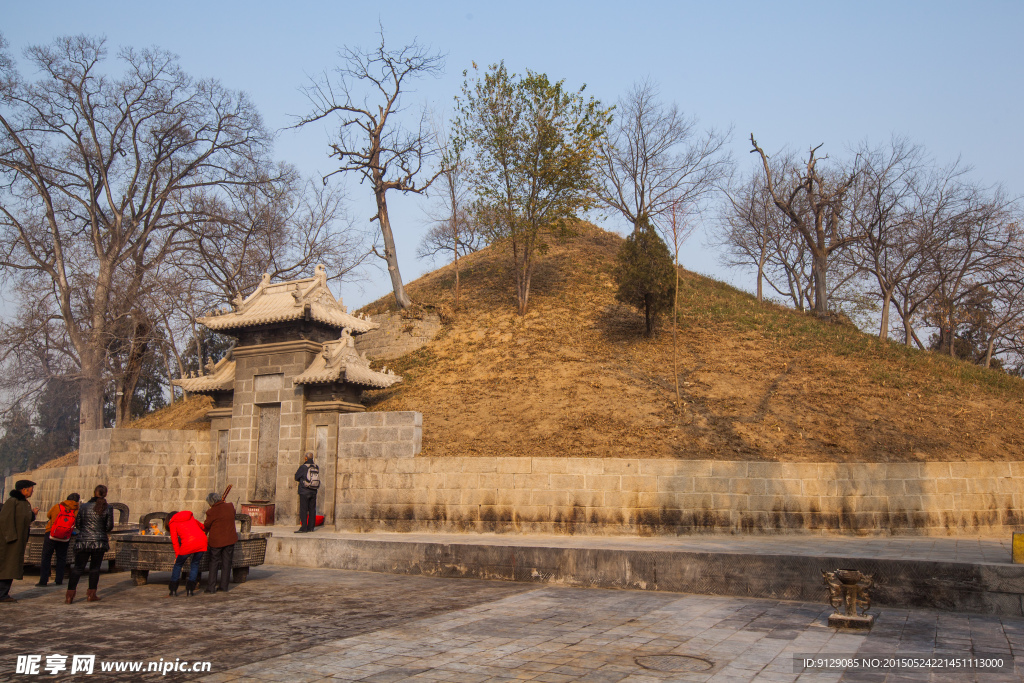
{"x":220,"y":525}
{"x":188,"y":537}
{"x":60,"y":527}
{"x":94,"y":522}
{"x":16,"y":517}
{"x":308,"y":476}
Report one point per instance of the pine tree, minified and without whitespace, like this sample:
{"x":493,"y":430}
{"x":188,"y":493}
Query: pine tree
{"x":645,"y":274}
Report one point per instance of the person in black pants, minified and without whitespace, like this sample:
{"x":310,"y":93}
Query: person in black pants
{"x":95,"y":520}
{"x":220,"y":527}
{"x":308,"y":476}
{"x":53,"y":545}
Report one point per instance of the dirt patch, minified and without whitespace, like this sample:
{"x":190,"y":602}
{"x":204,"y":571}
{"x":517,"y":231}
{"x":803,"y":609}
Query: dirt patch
{"x":757,"y":381}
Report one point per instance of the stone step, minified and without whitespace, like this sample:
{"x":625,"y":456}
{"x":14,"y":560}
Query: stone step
{"x":957,"y":575}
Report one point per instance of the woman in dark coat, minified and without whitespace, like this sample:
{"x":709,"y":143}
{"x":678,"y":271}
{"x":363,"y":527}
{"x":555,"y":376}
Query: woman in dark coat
{"x":95,"y":520}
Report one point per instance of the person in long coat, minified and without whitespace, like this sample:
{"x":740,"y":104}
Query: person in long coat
{"x":16,"y":517}
{"x":220,"y":525}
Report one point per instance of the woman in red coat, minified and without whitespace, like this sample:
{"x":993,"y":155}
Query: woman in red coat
{"x":189,"y":540}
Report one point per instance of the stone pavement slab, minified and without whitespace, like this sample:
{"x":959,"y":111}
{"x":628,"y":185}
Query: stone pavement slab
{"x":278,"y":611}
{"x":559,"y":634}
{"x":298,"y":624}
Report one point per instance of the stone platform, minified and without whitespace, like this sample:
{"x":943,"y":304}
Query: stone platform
{"x":950,"y":574}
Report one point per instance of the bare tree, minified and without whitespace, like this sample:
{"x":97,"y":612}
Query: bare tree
{"x":365,"y":93}
{"x":283,"y":229}
{"x":1005,"y":323}
{"x":883,"y":199}
{"x":677,"y":230}
{"x":755,"y":233}
{"x":94,"y":167}
{"x":454,"y":228}
{"x":655,"y":157}
{"x":825,"y":227}
{"x":978,"y":244}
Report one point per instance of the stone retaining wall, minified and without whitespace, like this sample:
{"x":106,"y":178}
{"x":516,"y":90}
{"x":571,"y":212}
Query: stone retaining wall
{"x":379,"y":435}
{"x":399,"y":333}
{"x":147,"y":469}
{"x":627,"y":496}
{"x":376,"y":482}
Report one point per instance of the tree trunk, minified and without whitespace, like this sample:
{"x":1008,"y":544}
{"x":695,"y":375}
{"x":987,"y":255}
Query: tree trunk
{"x":132,"y":370}
{"x":989,"y":349}
{"x":90,"y":398}
{"x":456,"y":273}
{"x":883,"y":330}
{"x":390,"y":256}
{"x":820,"y":291}
{"x":675,"y":333}
{"x":649,"y":319}
{"x":524,"y":291}
{"x":523,"y":272}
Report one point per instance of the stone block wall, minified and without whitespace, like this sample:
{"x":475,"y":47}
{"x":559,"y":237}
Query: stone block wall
{"x":379,"y":435}
{"x":635,"y":496}
{"x":374,"y":481}
{"x":147,"y":469}
{"x":399,"y":333}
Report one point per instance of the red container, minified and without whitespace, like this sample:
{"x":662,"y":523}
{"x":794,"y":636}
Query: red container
{"x":319,"y":520}
{"x":262,"y":513}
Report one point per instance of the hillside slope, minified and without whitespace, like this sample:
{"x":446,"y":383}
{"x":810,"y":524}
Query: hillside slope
{"x":759,"y":382}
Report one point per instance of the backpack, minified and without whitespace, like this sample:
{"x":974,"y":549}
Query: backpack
{"x":63,"y":524}
{"x":312,"y":477}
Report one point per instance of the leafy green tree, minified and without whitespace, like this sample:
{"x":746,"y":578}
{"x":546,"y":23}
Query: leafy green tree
{"x":533,"y":149}
{"x":645,"y":274}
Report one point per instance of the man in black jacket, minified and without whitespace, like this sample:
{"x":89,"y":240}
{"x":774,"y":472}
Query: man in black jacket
{"x":308,"y":476}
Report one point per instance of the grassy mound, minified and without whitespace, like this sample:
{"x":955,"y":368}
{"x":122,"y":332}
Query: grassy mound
{"x":758,"y":381}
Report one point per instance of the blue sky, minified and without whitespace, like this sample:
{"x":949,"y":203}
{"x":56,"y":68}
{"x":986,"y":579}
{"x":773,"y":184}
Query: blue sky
{"x":948,"y":75}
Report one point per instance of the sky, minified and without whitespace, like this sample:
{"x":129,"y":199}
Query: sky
{"x":947,"y":75}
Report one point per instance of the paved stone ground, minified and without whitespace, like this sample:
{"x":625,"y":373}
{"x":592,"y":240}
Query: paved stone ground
{"x":292,"y":624}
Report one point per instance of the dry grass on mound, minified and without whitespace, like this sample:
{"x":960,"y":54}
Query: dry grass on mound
{"x":576,"y":377}
{"x":188,"y":413}
{"x":66,"y":460}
